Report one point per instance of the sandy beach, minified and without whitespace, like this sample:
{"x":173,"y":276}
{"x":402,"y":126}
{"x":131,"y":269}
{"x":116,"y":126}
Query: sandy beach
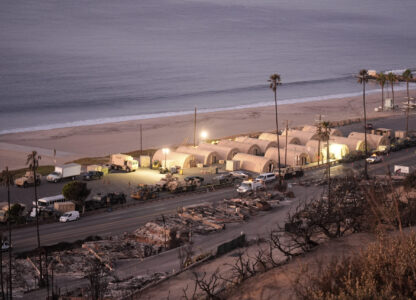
{"x":101,"y":140}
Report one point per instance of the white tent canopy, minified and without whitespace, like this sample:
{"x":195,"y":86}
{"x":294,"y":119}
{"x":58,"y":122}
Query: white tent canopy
{"x":303,"y":136}
{"x":374,"y":141}
{"x":202,"y":156}
{"x":174,"y":159}
{"x":295,"y":156}
{"x":282,"y":139}
{"x":263,"y":144}
{"x":223,"y":152}
{"x":242,"y":147}
{"x":254,"y":163}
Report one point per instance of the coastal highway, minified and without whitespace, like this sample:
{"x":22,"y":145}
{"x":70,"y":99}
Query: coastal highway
{"x":110,"y":223}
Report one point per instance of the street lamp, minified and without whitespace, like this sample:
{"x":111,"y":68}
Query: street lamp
{"x":204,"y":135}
{"x":165,"y":151}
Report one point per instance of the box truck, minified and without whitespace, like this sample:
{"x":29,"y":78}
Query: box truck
{"x":64,"y":171}
{"x":123,"y":162}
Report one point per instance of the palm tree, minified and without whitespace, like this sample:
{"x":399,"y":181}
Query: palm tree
{"x":7,"y":179}
{"x":392,"y":78}
{"x":324,"y":136}
{"x":274,"y":82}
{"x":363,"y":79}
{"x":33,"y":163}
{"x":381,"y":80}
{"x":319,"y":133}
{"x":407,"y":76}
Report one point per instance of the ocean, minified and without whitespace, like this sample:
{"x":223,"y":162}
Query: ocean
{"x":78,"y":62}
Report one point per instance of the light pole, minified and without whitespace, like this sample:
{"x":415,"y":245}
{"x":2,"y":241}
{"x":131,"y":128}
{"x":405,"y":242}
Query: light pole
{"x":165,"y":151}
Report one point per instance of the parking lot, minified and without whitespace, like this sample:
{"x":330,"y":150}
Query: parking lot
{"x":113,"y":182}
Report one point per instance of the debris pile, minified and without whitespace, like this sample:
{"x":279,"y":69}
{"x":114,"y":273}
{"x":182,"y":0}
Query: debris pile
{"x":119,"y":247}
{"x":122,"y":289}
{"x":163,"y":231}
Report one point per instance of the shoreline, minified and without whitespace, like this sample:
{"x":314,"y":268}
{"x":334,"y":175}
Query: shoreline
{"x":148,"y":116}
{"x":100,"y":140}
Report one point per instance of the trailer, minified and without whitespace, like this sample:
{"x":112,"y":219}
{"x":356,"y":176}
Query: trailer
{"x":68,"y":171}
{"x":123,"y":162}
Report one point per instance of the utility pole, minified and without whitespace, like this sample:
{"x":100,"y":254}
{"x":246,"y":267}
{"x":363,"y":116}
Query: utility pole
{"x":141,"y":144}
{"x":319,"y":138}
{"x":287,"y":128}
{"x":9,"y":228}
{"x":141,"y":140}
{"x":195,"y":128}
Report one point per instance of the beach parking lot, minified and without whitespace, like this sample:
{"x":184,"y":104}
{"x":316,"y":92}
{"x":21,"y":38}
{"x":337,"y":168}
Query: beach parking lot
{"x":119,"y":182}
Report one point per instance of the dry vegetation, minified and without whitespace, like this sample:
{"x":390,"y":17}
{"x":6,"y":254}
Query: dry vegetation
{"x":386,"y":270}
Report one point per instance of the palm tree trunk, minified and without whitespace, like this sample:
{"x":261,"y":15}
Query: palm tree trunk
{"x":287,"y":128}
{"x":319,"y":150}
{"x":392,"y":92}
{"x":277,"y":137}
{"x":382,"y":98}
{"x":329,"y":167}
{"x":1,"y":270}
{"x":37,"y":226}
{"x":407,"y":109}
{"x":9,"y":228}
{"x":365,"y":133}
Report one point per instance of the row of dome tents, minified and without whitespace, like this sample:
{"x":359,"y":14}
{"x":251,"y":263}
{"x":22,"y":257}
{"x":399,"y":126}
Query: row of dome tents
{"x":260,"y":155}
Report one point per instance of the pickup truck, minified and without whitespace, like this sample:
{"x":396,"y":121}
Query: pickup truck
{"x":250,"y":186}
{"x":28,"y":179}
{"x":373,"y":159}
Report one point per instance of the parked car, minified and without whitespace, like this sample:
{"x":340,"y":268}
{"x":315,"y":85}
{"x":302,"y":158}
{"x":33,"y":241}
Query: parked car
{"x":369,"y":126}
{"x":224,"y":178}
{"x":5,"y":246}
{"x":240,"y":174}
{"x":103,"y":200}
{"x":92,"y":175}
{"x":163,"y":170}
{"x":191,"y":178}
{"x":69,"y":216}
{"x":373,"y":159}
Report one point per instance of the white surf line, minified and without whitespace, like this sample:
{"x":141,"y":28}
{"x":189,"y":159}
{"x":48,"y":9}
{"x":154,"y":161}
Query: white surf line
{"x":109,"y":120}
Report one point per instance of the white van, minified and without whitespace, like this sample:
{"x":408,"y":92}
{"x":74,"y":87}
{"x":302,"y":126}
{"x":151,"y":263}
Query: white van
{"x":266,"y":177}
{"x":69,"y":216}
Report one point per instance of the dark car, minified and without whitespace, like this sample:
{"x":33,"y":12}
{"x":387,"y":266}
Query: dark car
{"x":190,"y":178}
{"x":369,"y":126}
{"x":101,"y":200}
{"x":92,"y":175}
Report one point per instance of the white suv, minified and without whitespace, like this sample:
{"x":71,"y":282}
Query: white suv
{"x":266,"y":177}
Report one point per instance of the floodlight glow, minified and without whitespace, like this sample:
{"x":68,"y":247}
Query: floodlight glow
{"x":204,"y":135}
{"x":337,"y":151}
